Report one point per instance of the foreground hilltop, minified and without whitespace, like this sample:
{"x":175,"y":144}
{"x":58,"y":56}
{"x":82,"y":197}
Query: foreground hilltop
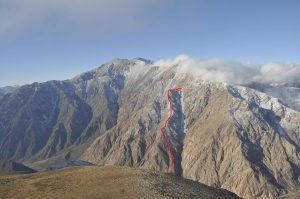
{"x":105,"y":183}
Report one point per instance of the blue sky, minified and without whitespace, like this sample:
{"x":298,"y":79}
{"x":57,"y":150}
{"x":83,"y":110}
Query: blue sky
{"x":42,"y":40}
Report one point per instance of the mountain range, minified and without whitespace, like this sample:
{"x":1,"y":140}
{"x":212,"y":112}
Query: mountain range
{"x":243,"y":138}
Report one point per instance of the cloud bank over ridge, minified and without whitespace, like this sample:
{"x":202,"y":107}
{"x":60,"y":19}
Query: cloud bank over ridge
{"x":235,"y":72}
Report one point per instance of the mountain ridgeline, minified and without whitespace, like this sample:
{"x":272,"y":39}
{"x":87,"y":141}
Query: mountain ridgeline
{"x":239,"y":138}
{"x":7,"y":90}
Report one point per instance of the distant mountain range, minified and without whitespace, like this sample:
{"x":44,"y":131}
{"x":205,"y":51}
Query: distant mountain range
{"x":243,"y":138}
{"x":289,"y":94}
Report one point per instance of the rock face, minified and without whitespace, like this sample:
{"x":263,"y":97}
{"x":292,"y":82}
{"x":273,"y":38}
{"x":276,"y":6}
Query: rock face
{"x":249,"y":143}
{"x":227,"y":136}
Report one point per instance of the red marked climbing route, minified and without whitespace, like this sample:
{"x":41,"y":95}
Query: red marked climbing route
{"x":171,"y":166}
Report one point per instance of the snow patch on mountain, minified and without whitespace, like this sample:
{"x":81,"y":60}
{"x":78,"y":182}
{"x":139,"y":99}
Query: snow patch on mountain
{"x":264,"y":101}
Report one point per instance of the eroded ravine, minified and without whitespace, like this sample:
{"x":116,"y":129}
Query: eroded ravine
{"x":173,"y":130}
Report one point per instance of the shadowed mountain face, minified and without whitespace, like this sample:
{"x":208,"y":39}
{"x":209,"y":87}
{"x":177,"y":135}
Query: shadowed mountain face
{"x":75,"y":163}
{"x":10,"y":167}
{"x":7,"y":90}
{"x":227,"y":136}
{"x":40,"y":119}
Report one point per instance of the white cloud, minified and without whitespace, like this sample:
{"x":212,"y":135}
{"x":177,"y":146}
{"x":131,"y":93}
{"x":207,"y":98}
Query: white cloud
{"x":234,"y":72}
{"x":275,"y":72}
{"x":18,"y":16}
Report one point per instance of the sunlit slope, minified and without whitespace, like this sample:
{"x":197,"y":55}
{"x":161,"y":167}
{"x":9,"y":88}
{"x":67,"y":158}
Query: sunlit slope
{"x":105,"y":182}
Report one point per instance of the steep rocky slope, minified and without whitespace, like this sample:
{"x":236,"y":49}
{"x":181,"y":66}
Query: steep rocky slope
{"x":222,"y":135}
{"x":249,"y":143}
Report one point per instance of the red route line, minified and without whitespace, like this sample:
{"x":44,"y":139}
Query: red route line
{"x":171,"y":166}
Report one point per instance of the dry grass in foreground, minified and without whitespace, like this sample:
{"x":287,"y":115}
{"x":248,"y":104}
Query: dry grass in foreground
{"x":105,"y":182}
